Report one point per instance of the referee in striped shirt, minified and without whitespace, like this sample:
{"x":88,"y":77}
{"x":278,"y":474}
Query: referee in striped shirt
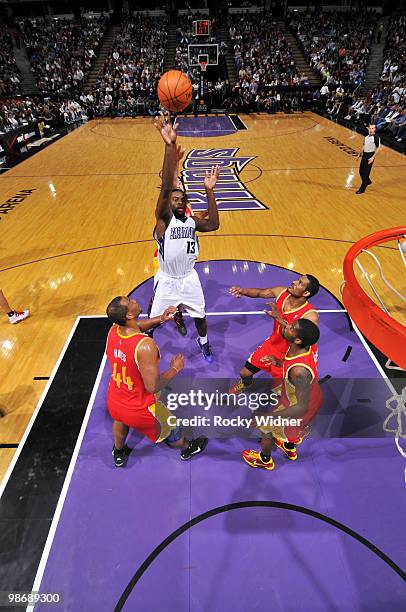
{"x":369,"y":151}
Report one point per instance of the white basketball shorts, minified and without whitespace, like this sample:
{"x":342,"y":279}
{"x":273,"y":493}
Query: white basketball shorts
{"x":170,"y":291}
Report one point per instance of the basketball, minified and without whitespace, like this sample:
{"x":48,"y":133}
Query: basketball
{"x":174,"y":90}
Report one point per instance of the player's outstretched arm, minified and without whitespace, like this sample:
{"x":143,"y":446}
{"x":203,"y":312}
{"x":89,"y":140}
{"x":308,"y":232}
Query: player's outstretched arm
{"x":212,"y":222}
{"x":150,"y":323}
{"x":163,"y":212}
{"x":270,"y":292}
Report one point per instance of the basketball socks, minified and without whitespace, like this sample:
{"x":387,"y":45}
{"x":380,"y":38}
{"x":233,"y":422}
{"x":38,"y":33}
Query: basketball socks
{"x":203,"y":339}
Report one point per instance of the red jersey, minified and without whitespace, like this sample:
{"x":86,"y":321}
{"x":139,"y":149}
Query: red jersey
{"x":290,"y":316}
{"x":126,"y":387}
{"x":276,"y":344}
{"x":307,"y":360}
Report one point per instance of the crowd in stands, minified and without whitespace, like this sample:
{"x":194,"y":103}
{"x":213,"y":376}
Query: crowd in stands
{"x":336,"y":43}
{"x":385,"y":106}
{"x":130,"y":77}
{"x":62,"y":51}
{"x":18,"y":112}
{"x":272,"y":101}
{"x":9,"y":73}
{"x":263,"y":57}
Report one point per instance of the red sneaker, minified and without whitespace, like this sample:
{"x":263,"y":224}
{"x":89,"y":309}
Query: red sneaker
{"x":238,"y":387}
{"x":305,"y":433}
{"x":254,"y":459}
{"x":289,"y":452}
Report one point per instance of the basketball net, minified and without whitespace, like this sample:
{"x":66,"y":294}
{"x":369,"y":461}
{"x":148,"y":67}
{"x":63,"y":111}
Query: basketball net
{"x":202,"y":64}
{"x":394,"y":422}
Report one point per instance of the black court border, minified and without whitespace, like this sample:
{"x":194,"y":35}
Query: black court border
{"x":32,"y":492}
{"x":250,"y":504}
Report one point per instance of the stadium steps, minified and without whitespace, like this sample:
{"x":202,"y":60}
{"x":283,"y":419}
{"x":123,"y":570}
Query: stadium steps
{"x":105,"y":49}
{"x":298,"y":55}
{"x":375,"y":62}
{"x":170,"y":49}
{"x":229,"y":57}
{"x":28,"y":84}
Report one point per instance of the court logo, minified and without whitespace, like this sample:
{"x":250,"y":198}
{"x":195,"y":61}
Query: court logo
{"x":341,"y":146}
{"x":230,"y":191}
{"x":12,"y":202}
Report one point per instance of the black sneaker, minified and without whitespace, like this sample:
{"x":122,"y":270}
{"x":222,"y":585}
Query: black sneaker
{"x":180,"y":323}
{"x":121,"y":456}
{"x":206,"y":351}
{"x":194,"y":448}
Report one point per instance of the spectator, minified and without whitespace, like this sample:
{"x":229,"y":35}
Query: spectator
{"x":61,"y":52}
{"x":10,"y":76}
{"x":130,"y":76}
{"x":336,"y":44}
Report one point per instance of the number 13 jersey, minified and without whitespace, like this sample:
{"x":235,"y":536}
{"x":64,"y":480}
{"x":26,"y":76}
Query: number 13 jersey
{"x":178,"y":248}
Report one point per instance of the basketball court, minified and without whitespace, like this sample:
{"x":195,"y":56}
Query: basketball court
{"x":210,"y":534}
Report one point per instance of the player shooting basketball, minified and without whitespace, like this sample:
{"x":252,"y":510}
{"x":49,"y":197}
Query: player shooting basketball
{"x":177,"y":186}
{"x":176,"y":282}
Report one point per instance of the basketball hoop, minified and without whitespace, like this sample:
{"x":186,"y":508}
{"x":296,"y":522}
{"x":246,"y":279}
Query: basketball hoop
{"x":374,"y":321}
{"x":203,"y":60}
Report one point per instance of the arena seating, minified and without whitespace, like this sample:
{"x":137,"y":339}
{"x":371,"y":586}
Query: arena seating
{"x":62,"y":51}
{"x":9,"y":72}
{"x":336,"y":43}
{"x":386,"y":104}
{"x":131,"y":72}
{"x":263,"y":58}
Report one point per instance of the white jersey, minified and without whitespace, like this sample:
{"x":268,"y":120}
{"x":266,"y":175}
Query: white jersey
{"x":178,"y":248}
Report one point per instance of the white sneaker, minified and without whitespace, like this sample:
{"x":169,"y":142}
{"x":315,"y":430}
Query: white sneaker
{"x":19,"y":316}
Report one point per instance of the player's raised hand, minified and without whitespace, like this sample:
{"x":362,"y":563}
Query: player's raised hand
{"x":180,"y":151}
{"x":178,"y":362}
{"x":168,"y":314}
{"x":164,"y":126}
{"x":273,"y":312}
{"x":236,"y":291}
{"x":211,"y":177}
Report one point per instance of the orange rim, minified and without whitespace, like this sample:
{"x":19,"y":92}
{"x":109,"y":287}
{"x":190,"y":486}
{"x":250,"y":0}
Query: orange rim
{"x":388,"y":335}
